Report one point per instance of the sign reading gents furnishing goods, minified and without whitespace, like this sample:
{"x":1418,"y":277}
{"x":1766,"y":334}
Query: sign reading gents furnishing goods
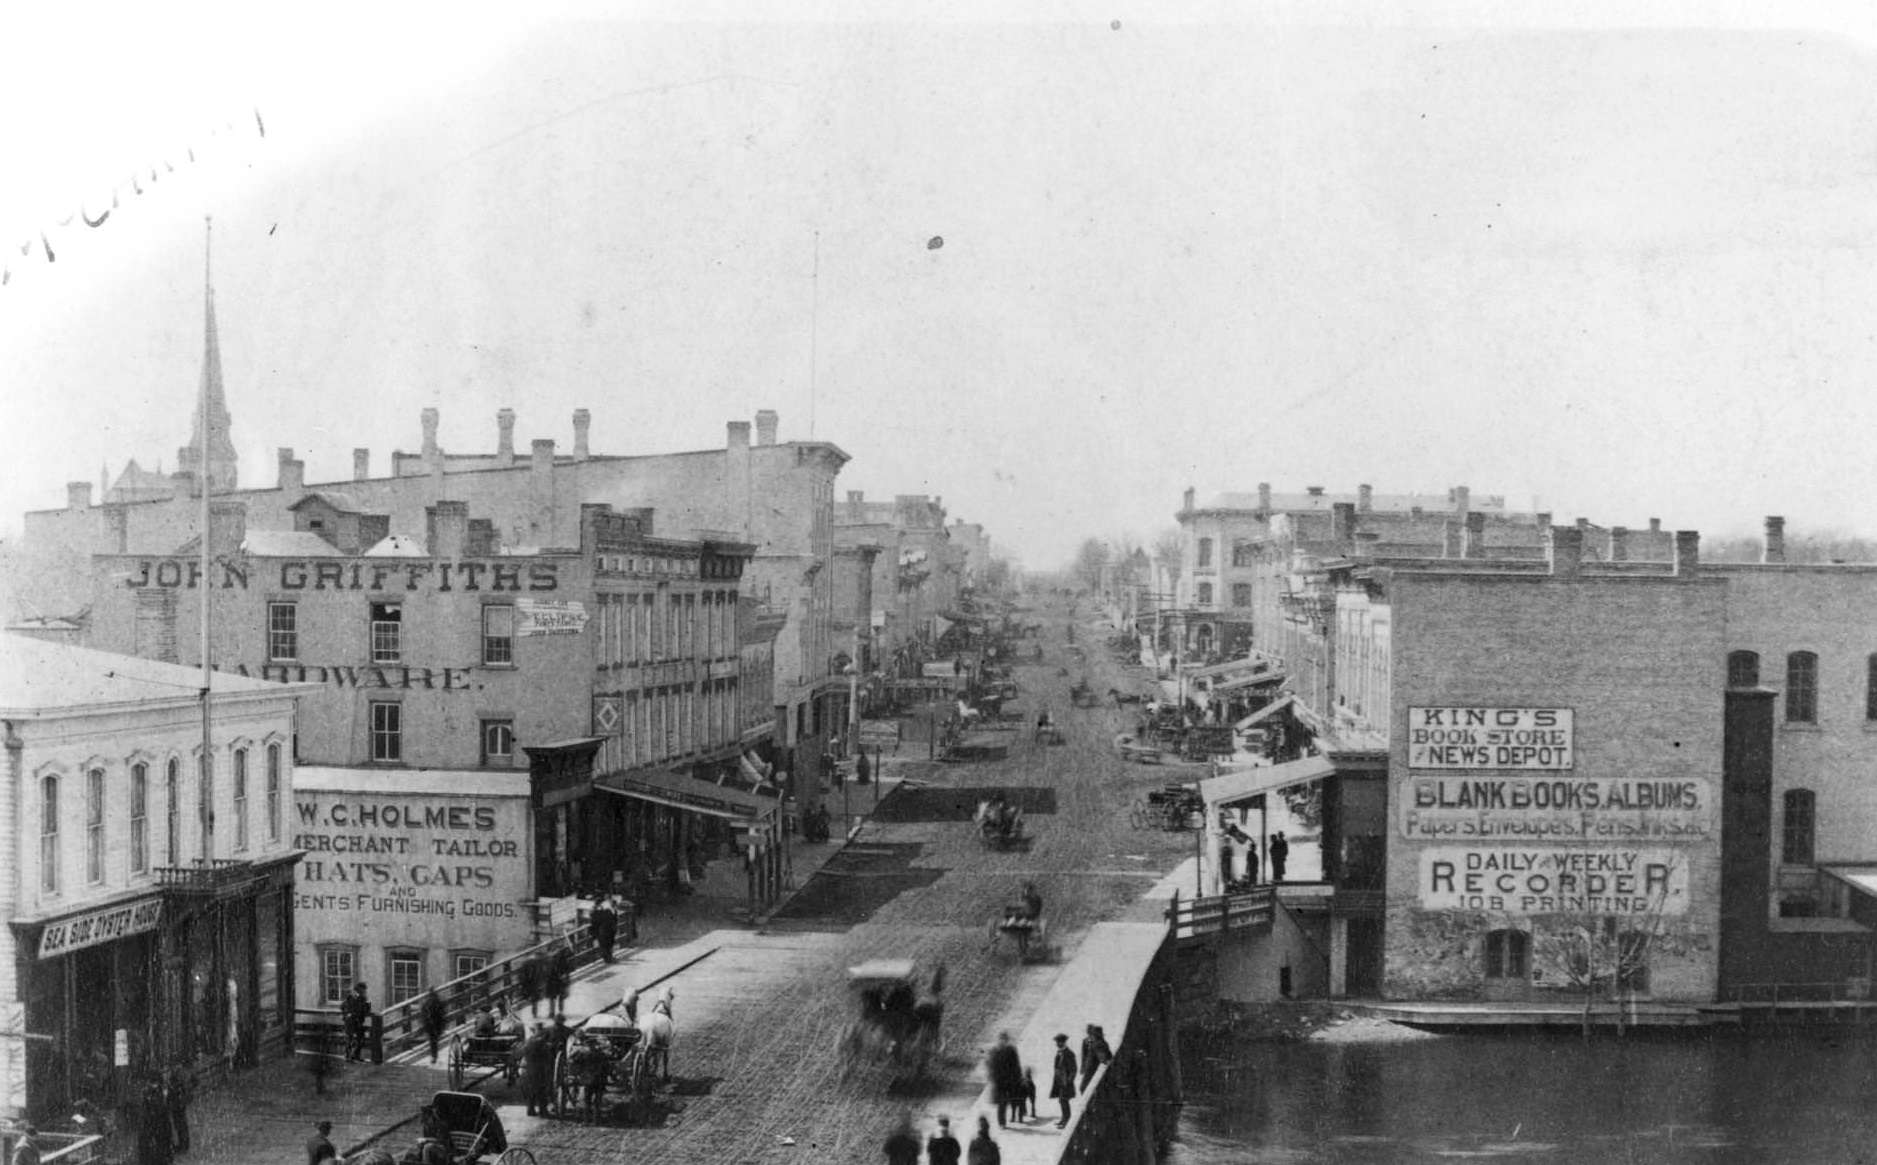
{"x":1489,"y":738}
{"x":549,"y":617}
{"x":1611,"y":880}
{"x":1556,"y":808}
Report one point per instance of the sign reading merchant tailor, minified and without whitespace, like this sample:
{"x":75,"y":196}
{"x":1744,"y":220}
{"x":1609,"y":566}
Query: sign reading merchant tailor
{"x":1598,"y":880}
{"x":1490,"y":738}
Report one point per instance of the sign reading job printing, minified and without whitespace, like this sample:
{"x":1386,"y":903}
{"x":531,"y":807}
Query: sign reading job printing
{"x":376,"y":857}
{"x":1602,"y":880}
{"x":1489,"y":738}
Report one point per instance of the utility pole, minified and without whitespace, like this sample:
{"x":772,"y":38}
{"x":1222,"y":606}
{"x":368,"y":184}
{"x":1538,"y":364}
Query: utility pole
{"x":206,"y":812}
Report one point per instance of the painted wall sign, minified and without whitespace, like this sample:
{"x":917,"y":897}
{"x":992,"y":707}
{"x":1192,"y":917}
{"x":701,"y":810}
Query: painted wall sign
{"x":347,"y":574}
{"x":549,"y":617}
{"x":362,"y":676}
{"x":1490,"y":738}
{"x":386,"y":855}
{"x":1557,"y":809}
{"x":100,"y":926}
{"x":1592,"y":880}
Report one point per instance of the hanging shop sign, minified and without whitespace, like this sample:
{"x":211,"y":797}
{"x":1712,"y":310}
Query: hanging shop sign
{"x":549,"y":617}
{"x":1490,"y":738}
{"x":100,"y":926}
{"x":1590,"y":880}
{"x":1511,"y":808}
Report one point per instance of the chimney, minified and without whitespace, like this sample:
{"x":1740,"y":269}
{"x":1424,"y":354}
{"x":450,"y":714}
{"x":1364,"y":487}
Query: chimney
{"x":583,"y":424}
{"x":1474,"y":545}
{"x":1343,"y":524}
{"x":228,"y":528}
{"x":116,"y":527}
{"x":292,"y":472}
{"x":1655,"y":525}
{"x":482,"y":539}
{"x":1687,"y":553}
{"x":1462,"y":500}
{"x":1544,"y":527}
{"x":430,"y":434}
{"x":505,"y":437}
{"x":855,"y":497}
{"x":1775,"y":540}
{"x":1567,"y":551}
{"x":78,"y":495}
{"x":361,"y":464}
{"x":1414,"y":513}
{"x":1619,"y":544}
{"x":1264,"y":496}
{"x":766,"y":426}
{"x":1315,"y":491}
{"x":446,"y":529}
{"x":1187,"y":501}
{"x":1453,"y":539}
{"x":1365,"y":498}
{"x":739,"y":434}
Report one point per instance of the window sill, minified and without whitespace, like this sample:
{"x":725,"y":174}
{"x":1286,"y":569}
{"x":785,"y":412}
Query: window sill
{"x":503,"y":666}
{"x":1799,"y":726}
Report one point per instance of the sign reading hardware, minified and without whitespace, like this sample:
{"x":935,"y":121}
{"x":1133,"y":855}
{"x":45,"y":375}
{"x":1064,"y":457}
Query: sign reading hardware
{"x":1489,"y":738}
{"x":100,"y":926}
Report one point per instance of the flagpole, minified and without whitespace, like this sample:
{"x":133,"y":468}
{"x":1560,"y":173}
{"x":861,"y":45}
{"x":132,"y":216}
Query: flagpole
{"x":206,"y":811}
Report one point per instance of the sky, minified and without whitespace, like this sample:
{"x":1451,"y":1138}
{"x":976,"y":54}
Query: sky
{"x":1053,"y":267}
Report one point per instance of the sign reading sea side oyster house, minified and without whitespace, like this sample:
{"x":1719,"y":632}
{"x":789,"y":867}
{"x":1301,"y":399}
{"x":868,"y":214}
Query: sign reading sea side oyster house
{"x":1490,"y":738}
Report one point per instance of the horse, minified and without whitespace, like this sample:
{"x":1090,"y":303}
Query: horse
{"x":661,"y":1031}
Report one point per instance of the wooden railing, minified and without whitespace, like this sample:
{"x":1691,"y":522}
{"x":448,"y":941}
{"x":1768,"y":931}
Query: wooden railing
{"x":1778,"y":994}
{"x":1189,"y":918}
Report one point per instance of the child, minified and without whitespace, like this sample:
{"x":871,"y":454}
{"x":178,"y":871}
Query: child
{"x":1029,"y":1094}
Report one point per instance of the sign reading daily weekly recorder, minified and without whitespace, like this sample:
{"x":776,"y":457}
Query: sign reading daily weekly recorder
{"x":1490,"y":738}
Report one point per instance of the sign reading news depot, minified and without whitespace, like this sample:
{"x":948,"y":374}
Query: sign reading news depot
{"x":1490,"y":738}
{"x":409,"y":863}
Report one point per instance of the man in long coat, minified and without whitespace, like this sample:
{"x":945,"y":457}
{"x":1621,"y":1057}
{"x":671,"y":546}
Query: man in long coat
{"x":1006,"y":1073}
{"x":1095,"y":1053}
{"x":605,"y":923}
{"x":537,"y":1071}
{"x":1062,"y":1081}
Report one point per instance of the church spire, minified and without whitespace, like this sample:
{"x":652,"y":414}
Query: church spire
{"x":220,"y":449}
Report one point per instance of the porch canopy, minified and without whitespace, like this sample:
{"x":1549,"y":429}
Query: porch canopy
{"x":681,"y":792}
{"x":1862,"y":878}
{"x":1264,"y":713}
{"x":1237,"y":682}
{"x":1243,"y":784}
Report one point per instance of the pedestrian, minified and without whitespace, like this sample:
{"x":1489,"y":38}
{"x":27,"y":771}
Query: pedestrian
{"x":1279,"y":848}
{"x":435,"y":1017}
{"x":156,"y":1136}
{"x":1251,"y":862}
{"x":1062,"y":1078}
{"x":319,"y":1145}
{"x":902,"y":1146}
{"x":605,"y":924}
{"x":1028,"y":1111}
{"x":941,"y":1148}
{"x":863,"y":769}
{"x":983,"y":1150}
{"x":560,"y":970}
{"x":559,"y":1033}
{"x":1095,"y":1053}
{"x":528,"y":978}
{"x":537,"y":1071}
{"x":26,"y":1146}
{"x":355,"y":1012}
{"x":179,"y":1091}
{"x":1006,"y":1072}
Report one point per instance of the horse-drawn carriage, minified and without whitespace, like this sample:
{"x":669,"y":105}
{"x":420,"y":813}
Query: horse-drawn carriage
{"x":894,"y":1024}
{"x":1169,"y":808}
{"x":499,"y":1049}
{"x":999,"y":824}
{"x":1022,"y":921}
{"x":613,"y":1052}
{"x":458,"y":1128}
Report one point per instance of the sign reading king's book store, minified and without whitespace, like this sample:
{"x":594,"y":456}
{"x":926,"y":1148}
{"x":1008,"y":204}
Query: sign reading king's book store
{"x":1490,"y":738}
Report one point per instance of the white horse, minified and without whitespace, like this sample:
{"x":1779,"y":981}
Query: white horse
{"x":660,"y":1031}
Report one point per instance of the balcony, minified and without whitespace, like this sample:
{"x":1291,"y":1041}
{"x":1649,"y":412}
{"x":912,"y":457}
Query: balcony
{"x":214,"y":878}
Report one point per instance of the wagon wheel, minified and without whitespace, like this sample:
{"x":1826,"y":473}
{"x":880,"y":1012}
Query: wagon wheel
{"x":638,"y":1089}
{"x":564,"y":1085}
{"x":456,"y":1064}
{"x":515,"y":1157}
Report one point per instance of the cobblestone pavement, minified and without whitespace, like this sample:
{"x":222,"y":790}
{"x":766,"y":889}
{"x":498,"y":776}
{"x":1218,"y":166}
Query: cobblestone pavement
{"x":757,"y":1076}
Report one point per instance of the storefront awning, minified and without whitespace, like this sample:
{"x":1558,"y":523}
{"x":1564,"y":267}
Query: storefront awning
{"x":1237,"y":682}
{"x":1244,"y":784}
{"x":682,"y":792}
{"x":1264,"y":713}
{"x":1226,"y":668}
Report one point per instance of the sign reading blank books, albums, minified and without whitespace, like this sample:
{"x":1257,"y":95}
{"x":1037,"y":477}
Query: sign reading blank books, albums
{"x":1490,"y":738}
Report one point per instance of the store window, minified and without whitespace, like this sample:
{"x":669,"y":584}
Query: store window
{"x":498,"y":742}
{"x":498,"y":634}
{"x":273,"y":792}
{"x":387,"y":731}
{"x":1743,"y":669}
{"x":1802,"y":688}
{"x":283,"y":631}
{"x":387,"y":628}
{"x":241,"y":800}
{"x":140,"y":818}
{"x":1244,"y":554}
{"x":172,"y":813}
{"x":94,"y":826}
{"x":338,"y":970}
{"x":49,"y":835}
{"x":1509,"y":954}
{"x":465,"y":963}
{"x":404,"y":972}
{"x":1799,"y":830}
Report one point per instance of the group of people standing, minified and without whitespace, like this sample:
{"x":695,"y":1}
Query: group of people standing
{"x":1013,"y":1088}
{"x":941,"y":1148}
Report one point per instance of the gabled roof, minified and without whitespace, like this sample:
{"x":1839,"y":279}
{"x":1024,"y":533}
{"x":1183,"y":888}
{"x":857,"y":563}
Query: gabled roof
{"x":38,"y":677}
{"x":342,"y":502}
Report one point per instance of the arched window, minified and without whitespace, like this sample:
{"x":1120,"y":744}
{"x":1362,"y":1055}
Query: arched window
{"x":1743,"y":669}
{"x":1802,"y":688}
{"x":1508,"y":954}
{"x":1800,"y":828}
{"x":140,"y":818}
{"x":172,"y":813}
{"x":94,"y":826}
{"x":49,"y":835}
{"x":241,"y":800}
{"x":273,"y":792}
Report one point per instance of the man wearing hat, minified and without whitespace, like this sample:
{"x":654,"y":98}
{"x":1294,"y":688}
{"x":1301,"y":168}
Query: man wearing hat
{"x":1062,"y":1083}
{"x":941,"y":1148}
{"x":1095,"y":1053}
{"x":319,"y":1145}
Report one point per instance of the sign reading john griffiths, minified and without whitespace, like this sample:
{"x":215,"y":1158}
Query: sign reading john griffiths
{"x":1490,"y":738}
